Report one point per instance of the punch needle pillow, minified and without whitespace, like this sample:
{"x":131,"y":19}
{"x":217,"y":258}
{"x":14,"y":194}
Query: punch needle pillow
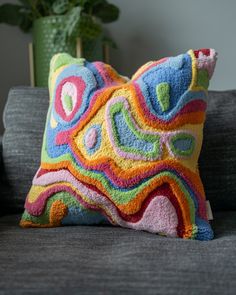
{"x":124,"y":151}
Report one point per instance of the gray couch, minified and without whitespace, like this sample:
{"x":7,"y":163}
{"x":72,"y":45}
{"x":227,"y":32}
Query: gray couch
{"x":105,"y":259}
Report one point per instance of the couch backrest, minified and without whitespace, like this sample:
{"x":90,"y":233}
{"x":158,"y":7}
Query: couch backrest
{"x":24,"y":120}
{"x":218,"y":157}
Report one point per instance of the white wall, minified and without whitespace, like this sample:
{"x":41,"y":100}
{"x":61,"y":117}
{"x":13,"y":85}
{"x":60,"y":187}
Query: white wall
{"x":150,"y":29}
{"x":13,"y":61}
{"x":146,"y":30}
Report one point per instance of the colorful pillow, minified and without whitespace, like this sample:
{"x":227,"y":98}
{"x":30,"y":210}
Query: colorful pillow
{"x":124,"y":151}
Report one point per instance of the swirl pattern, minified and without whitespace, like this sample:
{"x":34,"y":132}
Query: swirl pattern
{"x":122,"y":151}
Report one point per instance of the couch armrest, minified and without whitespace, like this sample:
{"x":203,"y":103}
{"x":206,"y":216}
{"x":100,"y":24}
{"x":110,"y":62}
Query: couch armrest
{"x":1,"y":177}
{"x":1,"y":160}
{"x":5,"y":190}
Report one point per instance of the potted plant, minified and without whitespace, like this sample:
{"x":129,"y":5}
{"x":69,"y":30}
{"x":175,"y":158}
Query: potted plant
{"x":57,"y":25}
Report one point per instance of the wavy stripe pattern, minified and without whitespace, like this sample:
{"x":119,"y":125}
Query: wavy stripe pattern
{"x":124,"y":151}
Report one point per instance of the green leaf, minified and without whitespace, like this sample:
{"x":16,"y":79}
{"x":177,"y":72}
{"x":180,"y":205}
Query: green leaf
{"x":60,"y":36}
{"x":107,"y":13}
{"x":41,"y":8}
{"x":81,"y":3}
{"x":72,"y":20}
{"x":89,"y":28}
{"x":25,"y":3}
{"x":68,"y":28}
{"x":26,"y":22}
{"x":10,"y":14}
{"x":90,"y":5}
{"x":60,"y":6}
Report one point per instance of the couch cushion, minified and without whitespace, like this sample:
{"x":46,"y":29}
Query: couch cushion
{"x":24,"y":120}
{"x":110,"y":260}
{"x":218,"y":157}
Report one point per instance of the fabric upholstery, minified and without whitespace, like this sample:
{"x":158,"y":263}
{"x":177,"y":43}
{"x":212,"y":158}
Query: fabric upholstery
{"x":1,"y":177}
{"x":1,"y":160}
{"x":217,"y":159}
{"x":5,"y":190}
{"x":111,"y":260}
{"x":24,"y":120}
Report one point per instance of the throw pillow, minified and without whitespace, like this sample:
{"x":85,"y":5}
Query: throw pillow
{"x":124,"y":151}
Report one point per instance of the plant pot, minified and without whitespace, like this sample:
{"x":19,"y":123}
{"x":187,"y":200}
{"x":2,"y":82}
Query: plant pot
{"x":45,"y":46}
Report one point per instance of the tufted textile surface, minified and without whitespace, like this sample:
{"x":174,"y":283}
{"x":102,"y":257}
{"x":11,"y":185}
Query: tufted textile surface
{"x":124,"y":151}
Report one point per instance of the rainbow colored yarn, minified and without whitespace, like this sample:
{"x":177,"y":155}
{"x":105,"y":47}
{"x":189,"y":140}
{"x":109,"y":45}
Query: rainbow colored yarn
{"x":124,"y":151}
